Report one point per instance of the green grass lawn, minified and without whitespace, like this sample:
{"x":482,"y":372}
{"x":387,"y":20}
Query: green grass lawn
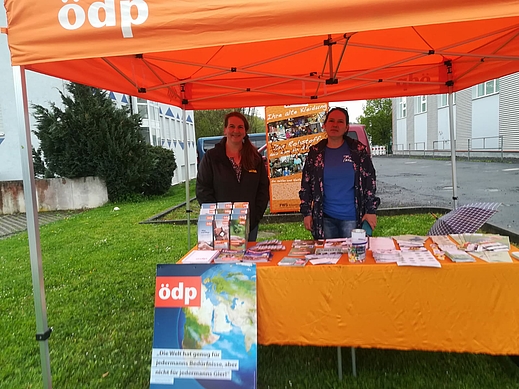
{"x":99,"y":269}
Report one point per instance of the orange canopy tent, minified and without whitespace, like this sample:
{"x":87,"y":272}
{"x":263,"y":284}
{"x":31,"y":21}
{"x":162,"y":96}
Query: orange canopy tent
{"x":217,"y":54}
{"x":232,"y":53}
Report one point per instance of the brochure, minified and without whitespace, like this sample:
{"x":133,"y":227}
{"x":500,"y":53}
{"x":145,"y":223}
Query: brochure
{"x":491,"y":242}
{"x":256,"y":256}
{"x":381,"y":243}
{"x":494,"y":256}
{"x":201,"y":256}
{"x":459,"y":256}
{"x":303,"y":243}
{"x":418,"y":258}
{"x":323,"y":259}
{"x":229,"y":256}
{"x":268,"y":242}
{"x":442,"y":240}
{"x":300,"y":251}
{"x":329,"y":250}
{"x":410,"y":240}
{"x":293,"y":261}
{"x":386,"y":255}
{"x":339,"y":243}
{"x":268,"y":247}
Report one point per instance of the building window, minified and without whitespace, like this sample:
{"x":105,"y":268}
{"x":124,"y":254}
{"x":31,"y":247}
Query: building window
{"x":142,"y":107}
{"x":443,"y":100}
{"x":145,"y":132}
{"x":402,"y":107}
{"x":485,"y":89}
{"x":154,"y":112}
{"x":421,"y":104}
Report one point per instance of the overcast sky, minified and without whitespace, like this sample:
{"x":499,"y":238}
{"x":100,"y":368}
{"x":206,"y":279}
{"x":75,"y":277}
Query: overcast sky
{"x":354,"y":108}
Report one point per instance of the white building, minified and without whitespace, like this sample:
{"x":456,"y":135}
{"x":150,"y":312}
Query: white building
{"x":484,"y":116}
{"x":161,"y":125}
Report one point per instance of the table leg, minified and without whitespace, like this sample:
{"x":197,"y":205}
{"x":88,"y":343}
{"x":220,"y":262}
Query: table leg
{"x":339,"y":362}
{"x":353,"y":362}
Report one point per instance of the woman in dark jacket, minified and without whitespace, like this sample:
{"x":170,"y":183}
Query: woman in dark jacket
{"x":338,"y":184}
{"x":234,"y":171}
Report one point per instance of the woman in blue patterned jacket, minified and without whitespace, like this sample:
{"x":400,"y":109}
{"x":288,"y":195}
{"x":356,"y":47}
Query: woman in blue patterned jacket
{"x":338,"y":185}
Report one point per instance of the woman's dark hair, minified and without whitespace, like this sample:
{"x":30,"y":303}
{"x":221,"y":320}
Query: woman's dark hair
{"x":249,"y":153}
{"x":343,"y":110}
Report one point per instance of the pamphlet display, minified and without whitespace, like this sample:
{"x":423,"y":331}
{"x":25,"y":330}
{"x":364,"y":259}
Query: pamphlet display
{"x":221,"y":231}
{"x":238,"y":230}
{"x":205,"y":334}
{"x":223,"y":226}
{"x":206,"y":232}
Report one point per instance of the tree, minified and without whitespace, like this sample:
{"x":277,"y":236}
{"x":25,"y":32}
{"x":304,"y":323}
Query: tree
{"x":162,"y":170}
{"x":92,"y":137}
{"x":210,"y":122}
{"x":378,"y":120}
{"x":256,"y":123}
{"x":40,"y":170}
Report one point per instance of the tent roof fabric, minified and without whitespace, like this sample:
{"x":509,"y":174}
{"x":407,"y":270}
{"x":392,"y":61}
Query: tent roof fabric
{"x":233,"y":53}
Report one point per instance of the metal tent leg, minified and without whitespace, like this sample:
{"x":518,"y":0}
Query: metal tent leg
{"x":186,"y":161}
{"x":31,"y":209}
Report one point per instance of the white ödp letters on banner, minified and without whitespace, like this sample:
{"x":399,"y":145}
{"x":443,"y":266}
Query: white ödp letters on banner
{"x":72,"y":15}
{"x":178,"y":293}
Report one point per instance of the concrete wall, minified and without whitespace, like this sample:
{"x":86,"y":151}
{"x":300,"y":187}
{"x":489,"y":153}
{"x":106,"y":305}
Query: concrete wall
{"x":55,"y":194}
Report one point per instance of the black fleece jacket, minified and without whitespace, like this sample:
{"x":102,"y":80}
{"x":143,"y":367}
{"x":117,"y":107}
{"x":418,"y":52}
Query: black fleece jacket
{"x":216,"y":181}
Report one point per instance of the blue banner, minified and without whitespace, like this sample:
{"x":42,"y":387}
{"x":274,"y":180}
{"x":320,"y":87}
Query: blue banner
{"x":205,"y":332}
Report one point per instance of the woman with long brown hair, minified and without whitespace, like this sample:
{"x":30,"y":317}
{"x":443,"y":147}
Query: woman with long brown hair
{"x":234,"y":171}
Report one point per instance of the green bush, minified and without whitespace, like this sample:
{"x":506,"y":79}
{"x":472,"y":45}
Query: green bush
{"x":162,"y":169}
{"x":92,"y":137}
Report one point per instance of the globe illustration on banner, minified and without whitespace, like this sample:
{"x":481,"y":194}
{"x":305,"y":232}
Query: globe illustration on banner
{"x":226,"y":322}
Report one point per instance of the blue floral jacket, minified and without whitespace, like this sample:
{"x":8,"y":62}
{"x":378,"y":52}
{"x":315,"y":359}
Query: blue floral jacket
{"x":311,"y":193}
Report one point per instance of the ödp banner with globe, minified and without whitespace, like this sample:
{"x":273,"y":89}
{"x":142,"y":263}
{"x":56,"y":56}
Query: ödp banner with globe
{"x":205,"y":331}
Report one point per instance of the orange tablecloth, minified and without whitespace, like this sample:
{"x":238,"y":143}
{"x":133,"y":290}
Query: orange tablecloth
{"x":464,"y":307}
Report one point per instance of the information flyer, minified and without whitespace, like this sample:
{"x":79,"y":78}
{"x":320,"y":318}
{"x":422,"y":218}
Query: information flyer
{"x":205,"y":331}
{"x":291,"y":129}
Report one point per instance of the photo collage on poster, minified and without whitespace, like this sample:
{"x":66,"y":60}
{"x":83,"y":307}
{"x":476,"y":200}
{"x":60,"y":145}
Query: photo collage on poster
{"x":291,"y":131}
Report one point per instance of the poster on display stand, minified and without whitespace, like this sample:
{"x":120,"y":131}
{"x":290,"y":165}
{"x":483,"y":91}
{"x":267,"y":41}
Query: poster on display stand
{"x":205,"y":329}
{"x":291,"y":130}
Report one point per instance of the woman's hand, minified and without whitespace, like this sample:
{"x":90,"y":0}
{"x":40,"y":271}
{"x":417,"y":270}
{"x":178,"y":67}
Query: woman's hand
{"x":371,"y":218}
{"x":309,"y":223}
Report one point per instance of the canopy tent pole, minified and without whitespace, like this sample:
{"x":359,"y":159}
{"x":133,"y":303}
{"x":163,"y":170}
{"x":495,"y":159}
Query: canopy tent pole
{"x":450,"y":84}
{"x":31,"y":211}
{"x":186,"y":159}
{"x":453,"y":152}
